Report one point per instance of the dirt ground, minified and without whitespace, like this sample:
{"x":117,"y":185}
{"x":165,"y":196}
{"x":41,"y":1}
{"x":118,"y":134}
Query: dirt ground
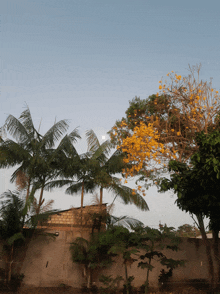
{"x":70,"y":290}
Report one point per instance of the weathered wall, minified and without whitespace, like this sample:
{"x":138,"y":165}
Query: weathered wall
{"x":48,"y":262}
{"x":72,"y":218}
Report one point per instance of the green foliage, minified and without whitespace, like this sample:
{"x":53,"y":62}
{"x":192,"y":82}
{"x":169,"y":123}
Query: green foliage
{"x":96,"y":169}
{"x":11,"y":215}
{"x":110,"y":284}
{"x":152,"y":241}
{"x":187,"y":231}
{"x":38,"y":161}
{"x":197,"y":187}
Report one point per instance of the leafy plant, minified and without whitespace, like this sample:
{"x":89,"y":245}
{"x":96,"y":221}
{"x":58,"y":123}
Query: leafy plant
{"x":152,"y":242}
{"x":111,"y":284}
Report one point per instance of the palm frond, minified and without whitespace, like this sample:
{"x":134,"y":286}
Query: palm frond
{"x":125,"y":221}
{"x":92,"y":141}
{"x":12,"y":153}
{"x":67,"y":147}
{"x":11,"y":198}
{"x":47,"y":206}
{"x":125,"y":193}
{"x":16,"y":129}
{"x":54,"y":133}
{"x":101,"y":153}
{"x":73,"y":189}
{"x":26,"y":120}
{"x":115,"y":163}
{"x":74,"y":135}
{"x":57,"y":184}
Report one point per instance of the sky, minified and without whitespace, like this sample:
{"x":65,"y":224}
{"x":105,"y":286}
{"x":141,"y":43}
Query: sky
{"x":84,"y":60}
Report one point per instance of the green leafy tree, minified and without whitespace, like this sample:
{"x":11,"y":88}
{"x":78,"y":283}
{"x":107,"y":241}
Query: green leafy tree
{"x":182,"y":107}
{"x":187,"y":231}
{"x":197,"y":189}
{"x":152,"y":242}
{"x":93,"y":254}
{"x":125,"y":243}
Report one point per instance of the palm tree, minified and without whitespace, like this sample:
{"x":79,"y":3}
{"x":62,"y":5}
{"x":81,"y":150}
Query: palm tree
{"x":95,"y":169}
{"x":11,"y":225}
{"x":108,"y":167}
{"x":38,"y":161}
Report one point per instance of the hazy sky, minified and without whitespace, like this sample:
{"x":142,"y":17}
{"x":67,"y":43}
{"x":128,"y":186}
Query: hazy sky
{"x":84,"y":60}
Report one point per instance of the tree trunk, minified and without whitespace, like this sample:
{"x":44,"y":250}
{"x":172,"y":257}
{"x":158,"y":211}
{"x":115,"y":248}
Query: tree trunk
{"x":41,"y":201}
{"x":10,"y":263}
{"x":147,"y":279}
{"x":208,"y":250}
{"x":101,"y":195}
{"x":28,"y":189}
{"x":82,"y":196}
{"x":89,"y":278}
{"x":126,"y":278}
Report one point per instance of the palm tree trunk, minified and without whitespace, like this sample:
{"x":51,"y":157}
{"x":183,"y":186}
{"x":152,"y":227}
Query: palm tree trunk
{"x":101,"y":196}
{"x":41,"y":201}
{"x":82,"y":196}
{"x":10,"y":263}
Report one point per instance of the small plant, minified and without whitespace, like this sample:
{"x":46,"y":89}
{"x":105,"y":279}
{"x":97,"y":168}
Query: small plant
{"x":164,"y":277}
{"x":111,"y":284}
{"x":62,"y":285}
{"x":153,"y":241}
{"x":127,"y":286}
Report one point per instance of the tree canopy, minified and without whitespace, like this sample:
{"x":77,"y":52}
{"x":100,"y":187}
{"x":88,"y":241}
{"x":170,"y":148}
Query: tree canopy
{"x":163,"y":127}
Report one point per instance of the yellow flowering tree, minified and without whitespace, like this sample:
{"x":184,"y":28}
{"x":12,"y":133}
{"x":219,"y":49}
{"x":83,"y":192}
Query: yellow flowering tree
{"x":163,"y":127}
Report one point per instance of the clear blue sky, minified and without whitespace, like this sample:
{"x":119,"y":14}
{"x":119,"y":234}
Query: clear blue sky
{"x":84,"y":60}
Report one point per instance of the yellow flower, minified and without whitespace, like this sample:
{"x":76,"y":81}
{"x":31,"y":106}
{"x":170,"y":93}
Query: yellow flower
{"x":216,"y":92}
{"x":172,"y":130}
{"x":160,"y":87}
{"x":178,"y":133}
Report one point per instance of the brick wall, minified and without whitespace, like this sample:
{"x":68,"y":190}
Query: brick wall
{"x":72,"y":218}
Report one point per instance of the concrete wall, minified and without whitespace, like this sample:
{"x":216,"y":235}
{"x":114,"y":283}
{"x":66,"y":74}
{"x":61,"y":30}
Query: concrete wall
{"x":48,"y":263}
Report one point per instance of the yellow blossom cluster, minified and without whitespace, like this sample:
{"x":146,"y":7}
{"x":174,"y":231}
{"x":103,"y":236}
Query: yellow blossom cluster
{"x":140,"y":147}
{"x":167,"y":127}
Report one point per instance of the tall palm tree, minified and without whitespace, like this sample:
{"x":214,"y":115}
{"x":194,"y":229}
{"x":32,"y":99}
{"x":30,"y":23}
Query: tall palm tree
{"x":96,"y":170}
{"x":78,"y":174}
{"x":38,"y":161}
{"x":108,"y":167}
